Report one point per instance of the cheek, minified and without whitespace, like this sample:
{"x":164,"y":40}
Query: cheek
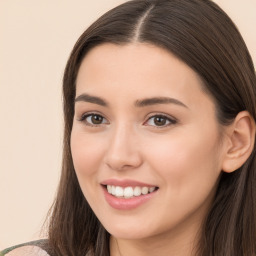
{"x":86,"y":155}
{"x":188,"y":169}
{"x":186,"y":162}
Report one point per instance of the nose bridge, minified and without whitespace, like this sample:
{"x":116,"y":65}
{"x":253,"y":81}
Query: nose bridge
{"x":123,"y":147}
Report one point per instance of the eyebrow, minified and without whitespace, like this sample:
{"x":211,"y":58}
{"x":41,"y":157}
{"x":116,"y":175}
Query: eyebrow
{"x":158,"y":100}
{"x":138,"y":103}
{"x":91,"y":99}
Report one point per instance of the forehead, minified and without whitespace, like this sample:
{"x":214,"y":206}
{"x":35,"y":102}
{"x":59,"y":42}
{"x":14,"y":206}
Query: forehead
{"x":134,"y":59}
{"x":138,"y":70}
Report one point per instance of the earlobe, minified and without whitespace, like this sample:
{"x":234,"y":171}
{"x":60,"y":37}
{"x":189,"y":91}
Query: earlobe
{"x":241,"y":142}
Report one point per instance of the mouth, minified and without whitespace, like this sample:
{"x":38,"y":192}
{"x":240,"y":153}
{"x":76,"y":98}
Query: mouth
{"x":129,"y":191}
{"x":128,"y":194}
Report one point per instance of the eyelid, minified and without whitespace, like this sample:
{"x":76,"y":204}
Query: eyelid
{"x":82,"y":118}
{"x":88,"y":113}
{"x":171,"y":119}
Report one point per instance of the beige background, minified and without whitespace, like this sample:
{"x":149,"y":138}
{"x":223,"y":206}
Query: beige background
{"x":36,"y":39}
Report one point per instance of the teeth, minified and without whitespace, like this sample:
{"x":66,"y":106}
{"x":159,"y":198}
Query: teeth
{"x":109,"y":188}
{"x":144,"y":190}
{"x":119,"y":192}
{"x":113,"y":190}
{"x":151,"y":189}
{"x":129,"y":192}
{"x":137,"y":191}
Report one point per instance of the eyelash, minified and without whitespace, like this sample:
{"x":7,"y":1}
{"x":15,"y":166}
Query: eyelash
{"x":166,"y":118}
{"x":85,"y":116}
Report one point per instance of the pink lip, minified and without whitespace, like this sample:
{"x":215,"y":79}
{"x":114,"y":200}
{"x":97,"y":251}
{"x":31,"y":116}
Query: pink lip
{"x":126,"y":183}
{"x":122,"y":203}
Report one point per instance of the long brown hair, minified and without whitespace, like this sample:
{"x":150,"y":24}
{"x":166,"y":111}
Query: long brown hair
{"x":199,"y":33}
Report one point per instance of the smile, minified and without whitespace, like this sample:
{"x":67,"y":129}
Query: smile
{"x":129,"y":192}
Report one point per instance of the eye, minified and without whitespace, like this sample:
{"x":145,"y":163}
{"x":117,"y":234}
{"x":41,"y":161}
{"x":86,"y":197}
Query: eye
{"x":160,"y":121}
{"x":93,"y":119}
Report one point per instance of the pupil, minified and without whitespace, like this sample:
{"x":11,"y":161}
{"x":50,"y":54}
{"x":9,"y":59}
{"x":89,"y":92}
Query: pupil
{"x":97,"y":119}
{"x":159,"y":121}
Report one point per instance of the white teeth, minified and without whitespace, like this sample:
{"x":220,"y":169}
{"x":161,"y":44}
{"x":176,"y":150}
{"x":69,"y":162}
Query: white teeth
{"x":144,"y":190}
{"x":113,"y":190}
{"x":137,"y":191}
{"x":119,"y":192}
{"x":129,"y":192}
{"x":109,"y":188}
{"x":151,"y":189}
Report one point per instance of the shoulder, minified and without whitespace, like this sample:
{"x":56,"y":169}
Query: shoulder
{"x":34,"y":248}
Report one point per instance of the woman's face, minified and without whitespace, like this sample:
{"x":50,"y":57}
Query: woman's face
{"x":145,"y":132}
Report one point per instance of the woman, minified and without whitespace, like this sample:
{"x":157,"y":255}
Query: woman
{"x":159,"y":142}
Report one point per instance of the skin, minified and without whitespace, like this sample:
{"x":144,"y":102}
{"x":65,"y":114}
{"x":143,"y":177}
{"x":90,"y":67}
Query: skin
{"x":183,"y":158}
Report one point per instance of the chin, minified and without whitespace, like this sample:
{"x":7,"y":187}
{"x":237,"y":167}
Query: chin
{"x":129,"y":235}
{"x":129,"y":231}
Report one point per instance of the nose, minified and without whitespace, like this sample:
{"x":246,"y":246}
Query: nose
{"x":123,"y":149}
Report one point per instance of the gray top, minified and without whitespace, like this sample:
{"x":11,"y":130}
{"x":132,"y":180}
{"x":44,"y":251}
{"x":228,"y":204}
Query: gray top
{"x":33,"y":248}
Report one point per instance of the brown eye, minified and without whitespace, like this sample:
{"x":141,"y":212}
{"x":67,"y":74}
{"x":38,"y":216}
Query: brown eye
{"x":94,"y":119}
{"x":160,"y":121}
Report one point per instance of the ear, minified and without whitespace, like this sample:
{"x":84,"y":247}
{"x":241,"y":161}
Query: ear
{"x":241,"y":138}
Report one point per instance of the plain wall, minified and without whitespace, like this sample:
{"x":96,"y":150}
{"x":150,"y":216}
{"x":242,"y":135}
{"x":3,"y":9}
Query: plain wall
{"x":36,"y":40}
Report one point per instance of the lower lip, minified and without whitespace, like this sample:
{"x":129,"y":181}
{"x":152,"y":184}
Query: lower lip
{"x":129,"y":203}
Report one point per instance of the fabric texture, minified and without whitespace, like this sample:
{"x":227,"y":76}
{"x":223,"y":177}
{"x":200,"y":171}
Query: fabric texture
{"x":42,"y":245}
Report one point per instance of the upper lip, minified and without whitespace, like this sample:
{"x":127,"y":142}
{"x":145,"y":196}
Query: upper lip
{"x":125,"y":183}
